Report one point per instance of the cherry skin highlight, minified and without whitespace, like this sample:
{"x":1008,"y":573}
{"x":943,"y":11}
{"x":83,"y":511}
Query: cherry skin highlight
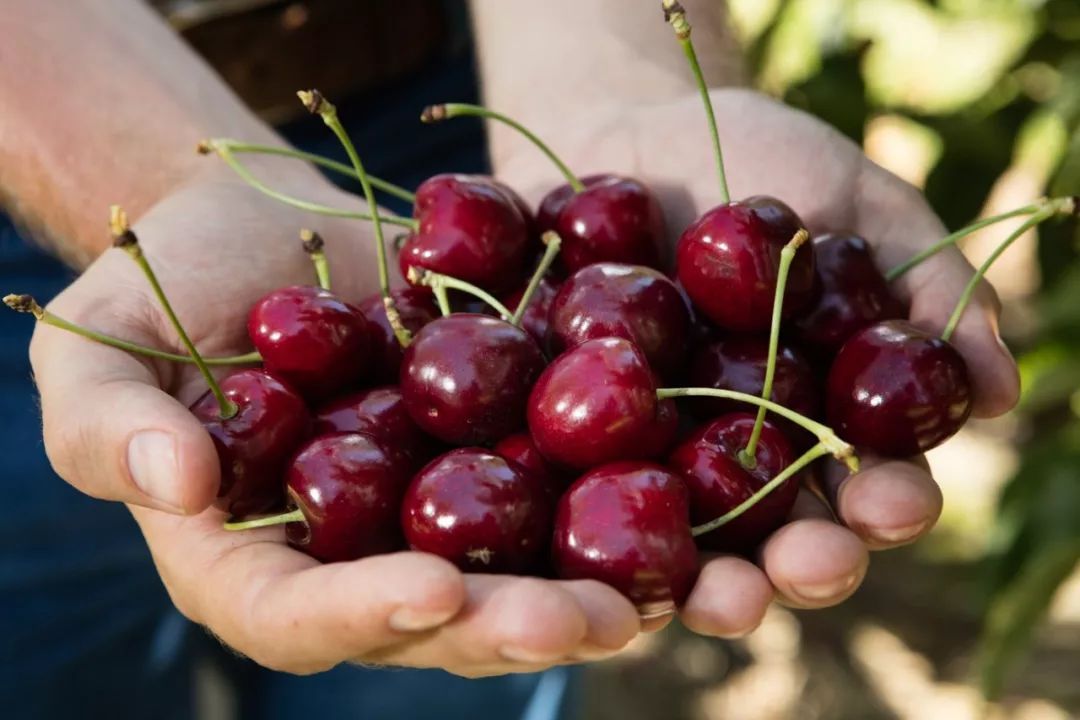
{"x":416,"y":306}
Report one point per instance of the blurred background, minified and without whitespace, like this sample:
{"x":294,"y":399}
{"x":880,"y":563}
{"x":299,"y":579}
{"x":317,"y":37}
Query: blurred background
{"x":978,"y":103}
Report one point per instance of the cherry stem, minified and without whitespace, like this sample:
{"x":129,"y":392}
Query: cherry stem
{"x":747,"y":456}
{"x":552,"y":243}
{"x":826,"y":436}
{"x":445,"y":111}
{"x":675,"y":15}
{"x":805,"y":459}
{"x":973,"y":283}
{"x":27,"y":304}
{"x":125,"y":239}
{"x":442,"y":299}
{"x":246,"y":175}
{"x":439,"y":282}
{"x":296,"y":515}
{"x":237,"y":147}
{"x":313,"y":246}
{"x":318,"y":105}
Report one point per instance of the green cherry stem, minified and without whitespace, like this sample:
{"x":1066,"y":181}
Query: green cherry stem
{"x":296,"y":515}
{"x":27,"y":304}
{"x":241,"y":170}
{"x":236,"y":147}
{"x":805,"y":459}
{"x":445,"y":111}
{"x":316,"y":104}
{"x":552,"y":243}
{"x":826,"y":436}
{"x":675,"y":15}
{"x":973,"y":283}
{"x":439,"y":282}
{"x":313,"y":246}
{"x":125,"y":239}
{"x":748,"y":456}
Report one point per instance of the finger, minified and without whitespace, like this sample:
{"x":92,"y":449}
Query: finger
{"x":612,"y":620}
{"x":814,"y":563}
{"x":729,"y":599}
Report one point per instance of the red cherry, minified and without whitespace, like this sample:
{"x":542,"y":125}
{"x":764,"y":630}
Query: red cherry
{"x":897,"y":390}
{"x":626,"y":524}
{"x":535,"y":318}
{"x":614,"y":219}
{"x":254,"y":444}
{"x":852,"y":293}
{"x":729,"y":258}
{"x":531,"y":228}
{"x":665,"y":430}
{"x":380,"y":413}
{"x":627,"y":301}
{"x":416,"y":306}
{"x":594,"y":404}
{"x":312,"y":339}
{"x":469,"y":229}
{"x":718,"y":482}
{"x":349,"y":489}
{"x":479,"y":511}
{"x":466,"y":378}
{"x":522,"y":451}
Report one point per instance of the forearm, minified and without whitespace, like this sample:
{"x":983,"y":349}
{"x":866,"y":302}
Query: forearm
{"x":106,"y":106}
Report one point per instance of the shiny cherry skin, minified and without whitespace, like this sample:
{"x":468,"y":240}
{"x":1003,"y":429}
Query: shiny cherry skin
{"x":535,"y":317}
{"x":851,"y":293}
{"x":594,"y":404}
{"x":379,"y":412}
{"x":626,"y":524}
{"x":255,"y":443}
{"x":531,"y":227}
{"x":708,"y":462}
{"x":520,"y":449}
{"x":628,"y":301}
{"x":665,"y":430}
{"x":417,"y":308}
{"x":614,"y":219}
{"x":897,"y":390}
{"x":469,"y":228}
{"x":728,"y":260}
{"x":479,"y":511}
{"x":466,"y":378}
{"x":312,"y":339}
{"x":349,"y":489}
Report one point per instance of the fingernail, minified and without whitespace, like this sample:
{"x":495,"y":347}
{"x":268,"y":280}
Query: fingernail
{"x":407,"y":619}
{"x":151,"y":460}
{"x":521,"y":655}
{"x":900,"y":534}
{"x":825,"y":591}
{"x":593,"y":653}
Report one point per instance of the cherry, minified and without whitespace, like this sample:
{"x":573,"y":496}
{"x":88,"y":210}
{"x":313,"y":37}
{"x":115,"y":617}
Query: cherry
{"x":469,"y":228}
{"x":532,"y":229}
{"x":626,"y":524}
{"x":852,"y":293}
{"x":380,"y":413}
{"x":479,"y":511}
{"x":465,"y":378}
{"x":628,"y":301}
{"x":416,"y":308}
{"x":665,"y":430}
{"x":312,"y":339}
{"x":897,"y":390}
{"x":520,"y":449}
{"x":253,"y":444}
{"x":348,"y":489}
{"x":594,"y":404}
{"x":535,"y":318}
{"x":708,"y":462}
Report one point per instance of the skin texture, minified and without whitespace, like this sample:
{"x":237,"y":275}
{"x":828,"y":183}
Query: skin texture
{"x":270,"y":602}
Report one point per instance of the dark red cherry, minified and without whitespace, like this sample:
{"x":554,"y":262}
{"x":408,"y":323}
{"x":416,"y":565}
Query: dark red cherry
{"x":253,"y":445}
{"x":718,"y":482}
{"x":535,"y":318}
{"x":520,"y":449}
{"x":627,"y":301}
{"x":349,"y":489}
{"x":466,"y":378}
{"x":626,"y":524}
{"x":380,"y":413}
{"x":312,"y":339}
{"x":665,"y":430}
{"x":594,"y":404}
{"x":852,"y":293}
{"x":479,"y":511}
{"x":416,"y":306}
{"x":469,"y":229}
{"x":615,"y":219}
{"x":531,"y":227}
{"x":897,"y":390}
{"x":728,"y":260}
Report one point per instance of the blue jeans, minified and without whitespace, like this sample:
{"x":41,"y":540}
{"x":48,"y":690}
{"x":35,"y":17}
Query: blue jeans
{"x":86,"y":628}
